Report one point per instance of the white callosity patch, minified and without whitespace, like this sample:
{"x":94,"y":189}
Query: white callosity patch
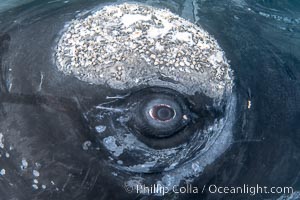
{"x":130,"y":44}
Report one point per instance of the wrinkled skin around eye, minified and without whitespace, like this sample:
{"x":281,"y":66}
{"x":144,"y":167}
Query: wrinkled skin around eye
{"x":197,"y":83}
{"x":64,"y":138}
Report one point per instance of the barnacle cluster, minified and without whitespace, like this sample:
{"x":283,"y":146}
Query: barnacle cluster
{"x":129,"y":44}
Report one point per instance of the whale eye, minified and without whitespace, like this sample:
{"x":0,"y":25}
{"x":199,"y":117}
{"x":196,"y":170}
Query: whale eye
{"x":159,"y":114}
{"x":158,"y":117}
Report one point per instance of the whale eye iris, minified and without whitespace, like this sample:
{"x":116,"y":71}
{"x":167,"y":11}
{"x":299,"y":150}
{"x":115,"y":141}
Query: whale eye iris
{"x":162,"y":112}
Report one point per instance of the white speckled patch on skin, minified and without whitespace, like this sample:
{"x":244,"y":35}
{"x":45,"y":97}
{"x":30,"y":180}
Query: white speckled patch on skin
{"x":131,"y":44}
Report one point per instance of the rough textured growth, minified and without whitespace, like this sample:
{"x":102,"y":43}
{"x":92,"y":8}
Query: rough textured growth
{"x":131,"y":44}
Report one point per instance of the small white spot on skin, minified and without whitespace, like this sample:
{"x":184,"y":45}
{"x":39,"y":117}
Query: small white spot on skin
{"x":1,"y":141}
{"x":2,"y":172}
{"x":24,"y":164}
{"x":120,"y":162}
{"x":7,"y":155}
{"x":35,"y":186}
{"x":36,"y":173}
{"x":86,"y":145}
{"x":35,"y":181}
{"x":185,"y":117}
{"x":10,"y":86}
{"x":41,"y":82}
{"x":100,"y":128}
{"x":114,"y":174}
{"x":44,"y":186}
{"x":38,"y":165}
{"x":196,"y":167}
{"x":249,"y":104}
{"x":52,"y":182}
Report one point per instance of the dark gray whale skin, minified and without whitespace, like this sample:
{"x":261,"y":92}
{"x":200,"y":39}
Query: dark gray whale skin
{"x":44,"y":123}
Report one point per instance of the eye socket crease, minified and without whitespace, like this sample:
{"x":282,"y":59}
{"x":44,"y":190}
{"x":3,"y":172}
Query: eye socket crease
{"x":137,"y":114}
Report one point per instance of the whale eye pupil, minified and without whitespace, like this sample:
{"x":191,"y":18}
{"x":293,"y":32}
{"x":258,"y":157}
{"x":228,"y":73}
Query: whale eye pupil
{"x":162,"y":112}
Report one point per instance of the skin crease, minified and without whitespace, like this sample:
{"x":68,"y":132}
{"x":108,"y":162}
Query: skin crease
{"x":43,"y":123}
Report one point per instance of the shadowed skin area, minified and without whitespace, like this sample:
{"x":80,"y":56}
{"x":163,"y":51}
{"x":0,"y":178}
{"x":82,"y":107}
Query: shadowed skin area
{"x":43,"y":128}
